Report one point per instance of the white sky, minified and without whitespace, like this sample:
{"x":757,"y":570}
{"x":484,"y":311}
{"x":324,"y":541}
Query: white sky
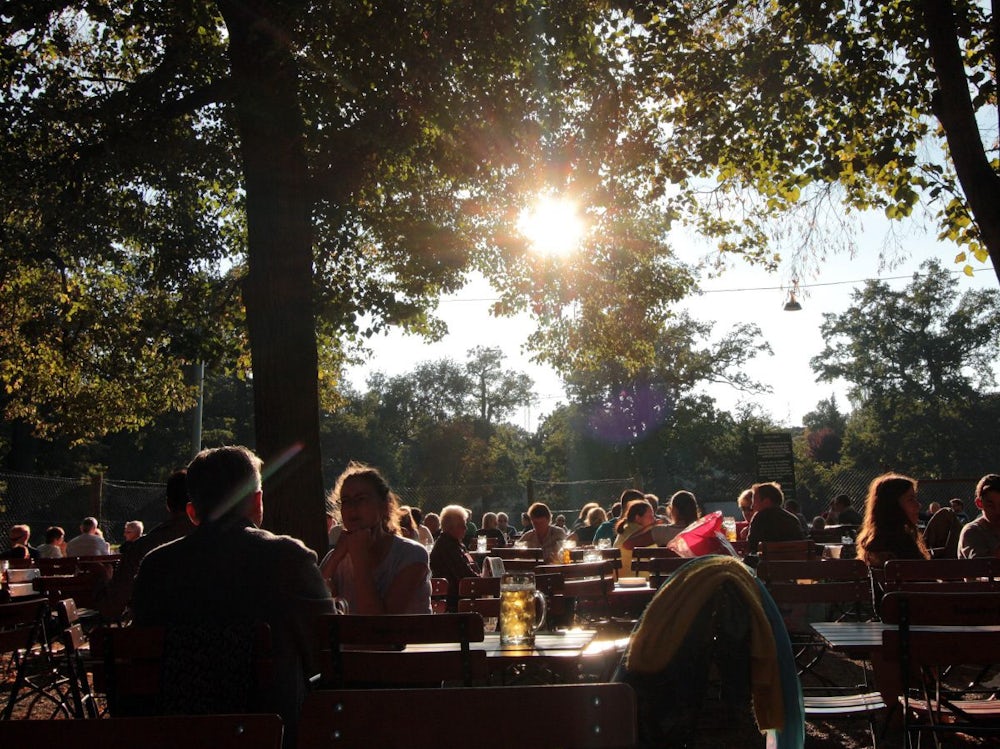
{"x":740,"y":294}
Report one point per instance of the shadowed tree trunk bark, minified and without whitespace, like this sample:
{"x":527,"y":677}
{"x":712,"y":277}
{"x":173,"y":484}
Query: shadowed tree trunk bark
{"x":953,"y":108}
{"x":278,"y":290}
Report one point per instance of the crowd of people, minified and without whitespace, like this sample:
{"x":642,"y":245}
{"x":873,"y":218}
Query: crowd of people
{"x":211,"y":562}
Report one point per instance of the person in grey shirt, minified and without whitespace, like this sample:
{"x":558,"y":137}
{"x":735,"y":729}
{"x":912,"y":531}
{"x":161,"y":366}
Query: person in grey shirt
{"x":981,"y":537}
{"x":89,"y":543}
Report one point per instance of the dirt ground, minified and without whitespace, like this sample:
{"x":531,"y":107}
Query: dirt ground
{"x":842,"y":733}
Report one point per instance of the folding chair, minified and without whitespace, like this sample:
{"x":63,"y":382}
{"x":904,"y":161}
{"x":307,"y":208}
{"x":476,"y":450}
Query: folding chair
{"x":571,"y":716}
{"x":932,"y":703}
{"x":75,"y":651}
{"x":929,"y":575}
{"x":439,"y":595}
{"x":586,"y":588}
{"x":24,"y":640}
{"x":657,"y":568}
{"x":259,"y":731}
{"x":945,"y":608}
{"x":195,"y":670}
{"x":368,"y":651}
{"x":80,"y":586}
{"x":788,"y":550}
{"x":824,"y":590}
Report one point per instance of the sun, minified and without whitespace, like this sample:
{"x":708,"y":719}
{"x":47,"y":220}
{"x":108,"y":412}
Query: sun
{"x":552,"y":226}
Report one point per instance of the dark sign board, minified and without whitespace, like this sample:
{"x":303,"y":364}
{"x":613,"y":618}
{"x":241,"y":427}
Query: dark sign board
{"x":774,"y":461}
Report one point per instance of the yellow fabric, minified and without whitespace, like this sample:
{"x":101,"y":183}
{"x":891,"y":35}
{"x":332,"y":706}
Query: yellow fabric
{"x":671,"y":612}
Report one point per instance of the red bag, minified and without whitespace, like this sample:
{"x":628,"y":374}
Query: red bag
{"x":703,"y":536}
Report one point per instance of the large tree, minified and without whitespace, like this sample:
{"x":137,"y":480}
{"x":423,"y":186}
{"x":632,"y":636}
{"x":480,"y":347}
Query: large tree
{"x":374,"y":147}
{"x":772,"y":109}
{"x":921,"y":365}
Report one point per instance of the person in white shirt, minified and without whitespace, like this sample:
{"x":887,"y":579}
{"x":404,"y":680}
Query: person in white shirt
{"x":543,"y":534}
{"x":89,"y":543}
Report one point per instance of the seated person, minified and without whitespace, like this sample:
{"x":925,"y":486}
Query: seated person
{"x":981,"y":537}
{"x":584,"y":535}
{"x":449,"y":558}
{"x":373,"y":567}
{"x":424,"y":534}
{"x":682,"y":511}
{"x":770,"y":521}
{"x":793,"y":507}
{"x":224,"y":576}
{"x":89,"y":543}
{"x":55,"y":543}
{"x":633,"y":528}
{"x":19,"y":546}
{"x":941,"y":534}
{"x":958,"y":507}
{"x":491,"y":530}
{"x":581,"y":518}
{"x":842,"y":513}
{"x":113,"y":599}
{"x":543,"y":534}
{"x":407,"y":525}
{"x":503,"y":525}
{"x":889,"y":530}
{"x":745,"y":504}
{"x":132,"y":532}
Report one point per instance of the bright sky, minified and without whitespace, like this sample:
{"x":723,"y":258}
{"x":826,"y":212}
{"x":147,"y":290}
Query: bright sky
{"x":740,"y":294}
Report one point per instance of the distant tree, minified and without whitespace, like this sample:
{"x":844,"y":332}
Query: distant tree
{"x":498,"y":392}
{"x":628,"y":402}
{"x":920,"y":363}
{"x":824,"y":431}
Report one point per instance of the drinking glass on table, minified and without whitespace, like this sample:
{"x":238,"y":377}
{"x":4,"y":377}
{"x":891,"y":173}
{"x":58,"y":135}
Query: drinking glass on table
{"x":729,"y":528}
{"x":519,"y":605}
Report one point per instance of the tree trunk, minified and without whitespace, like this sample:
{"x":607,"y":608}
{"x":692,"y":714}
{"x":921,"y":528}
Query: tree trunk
{"x":278,"y":290}
{"x":953,"y":108}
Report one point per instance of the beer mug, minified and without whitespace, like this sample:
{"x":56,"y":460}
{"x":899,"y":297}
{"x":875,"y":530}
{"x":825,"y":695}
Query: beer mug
{"x":519,"y":604}
{"x":729,"y":528}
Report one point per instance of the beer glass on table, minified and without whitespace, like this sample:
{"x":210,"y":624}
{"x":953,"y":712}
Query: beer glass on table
{"x":520,"y":603}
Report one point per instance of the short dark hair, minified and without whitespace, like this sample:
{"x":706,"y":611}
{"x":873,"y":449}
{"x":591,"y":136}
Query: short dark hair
{"x":221,"y":480}
{"x":177,"y":494}
{"x":539,"y":510}
{"x":988,"y":483}
{"x":770,"y":490}
{"x":629,"y":494}
{"x":54,"y":533}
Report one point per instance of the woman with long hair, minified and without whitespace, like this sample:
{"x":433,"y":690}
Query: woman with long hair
{"x":634,"y":524}
{"x":889,"y":529}
{"x":373,"y":567}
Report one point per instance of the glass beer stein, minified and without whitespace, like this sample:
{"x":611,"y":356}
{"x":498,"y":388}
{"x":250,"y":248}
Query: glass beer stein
{"x":520,"y":603}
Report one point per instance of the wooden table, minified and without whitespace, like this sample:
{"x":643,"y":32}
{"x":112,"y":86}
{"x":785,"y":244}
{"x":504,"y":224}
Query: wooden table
{"x":863,"y":640}
{"x":562,"y":655}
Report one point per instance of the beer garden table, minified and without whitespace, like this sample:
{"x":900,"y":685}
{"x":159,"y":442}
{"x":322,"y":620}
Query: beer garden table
{"x":564,"y":655}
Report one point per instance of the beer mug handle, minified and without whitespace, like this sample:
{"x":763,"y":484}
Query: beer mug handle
{"x":539,"y":605}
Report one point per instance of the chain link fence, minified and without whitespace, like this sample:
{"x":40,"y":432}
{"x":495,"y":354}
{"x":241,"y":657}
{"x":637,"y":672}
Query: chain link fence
{"x":43,"y":501}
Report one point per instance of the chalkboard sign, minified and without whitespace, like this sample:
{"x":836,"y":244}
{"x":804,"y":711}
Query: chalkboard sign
{"x":774,"y":460}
